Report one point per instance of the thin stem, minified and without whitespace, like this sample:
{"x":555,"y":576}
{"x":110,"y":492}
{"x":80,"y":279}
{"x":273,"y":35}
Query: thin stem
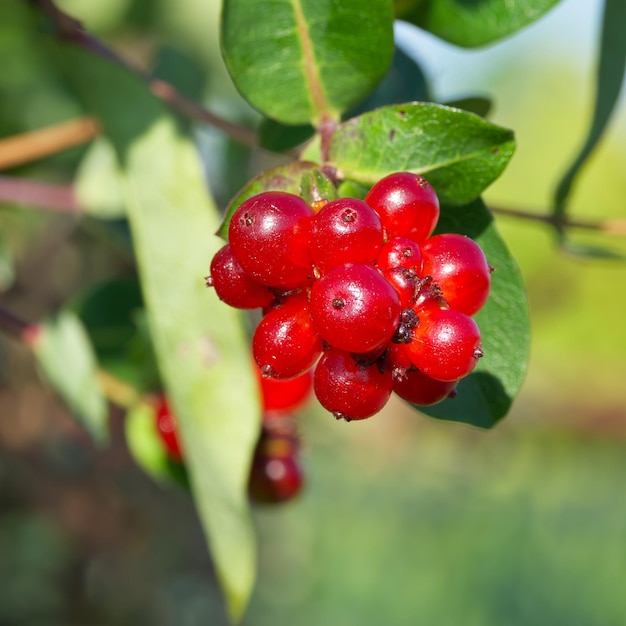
{"x":43,"y":142}
{"x":60,"y":198}
{"x":12,"y":325}
{"x":71,"y":29}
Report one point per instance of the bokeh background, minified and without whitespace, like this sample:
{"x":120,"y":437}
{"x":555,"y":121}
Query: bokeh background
{"x":405,"y":520}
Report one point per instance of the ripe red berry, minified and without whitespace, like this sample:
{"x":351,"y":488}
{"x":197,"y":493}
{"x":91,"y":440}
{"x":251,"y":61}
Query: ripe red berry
{"x":233,"y":286}
{"x":285,"y":395}
{"x":417,"y":388}
{"x":407,"y":204}
{"x":445,"y":345}
{"x":405,"y":282}
{"x":285,"y":343}
{"x":269,"y":236}
{"x":168,"y":429}
{"x":458,"y":266}
{"x":354,"y":308}
{"x":275,"y":475}
{"x":349,"y":389}
{"x":400,"y":252}
{"x":345,"y":231}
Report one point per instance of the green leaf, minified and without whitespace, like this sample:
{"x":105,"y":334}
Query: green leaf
{"x":201,"y":346}
{"x":458,"y":152}
{"x":315,"y":186}
{"x":472,"y":23}
{"x":98,"y":182}
{"x":300,"y":61}
{"x":67,"y":362}
{"x":404,"y":82}
{"x":610,"y":76}
{"x":486,"y":395}
{"x":283,"y":178}
{"x":147,"y":448}
{"x":474,"y":104}
{"x":280,"y":137}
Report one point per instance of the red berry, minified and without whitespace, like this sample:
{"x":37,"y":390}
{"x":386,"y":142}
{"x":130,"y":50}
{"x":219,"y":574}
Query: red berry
{"x":349,"y":389}
{"x":405,"y":282}
{"x":398,"y":362}
{"x":458,"y":266}
{"x":407,"y":204}
{"x":285,"y":344}
{"x":233,"y":286}
{"x":275,"y":475}
{"x":285,"y":395}
{"x":400,"y":252}
{"x":445,"y":345}
{"x":354,"y":308}
{"x":168,"y":429}
{"x":345,"y":231}
{"x":417,"y":388}
{"x":269,"y":236}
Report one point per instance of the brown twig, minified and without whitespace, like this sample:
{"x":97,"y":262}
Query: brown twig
{"x":72,"y":30}
{"x":54,"y":197}
{"x":43,"y":142}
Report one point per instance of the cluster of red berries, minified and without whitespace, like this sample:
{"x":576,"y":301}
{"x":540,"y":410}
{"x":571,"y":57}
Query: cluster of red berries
{"x":359,"y":291}
{"x":276,"y":474}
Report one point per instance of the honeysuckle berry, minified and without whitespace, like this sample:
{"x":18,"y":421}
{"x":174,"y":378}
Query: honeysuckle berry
{"x":445,"y":345}
{"x":167,"y":428}
{"x":345,"y":231}
{"x":285,"y":395}
{"x":285,"y":344}
{"x":355,"y":308}
{"x":417,"y":388}
{"x":269,"y":236}
{"x":407,"y":205}
{"x":349,"y":389}
{"x":457,"y":264}
{"x":400,"y":252}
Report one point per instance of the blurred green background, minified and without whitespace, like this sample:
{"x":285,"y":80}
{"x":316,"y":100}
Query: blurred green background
{"x":405,"y":520}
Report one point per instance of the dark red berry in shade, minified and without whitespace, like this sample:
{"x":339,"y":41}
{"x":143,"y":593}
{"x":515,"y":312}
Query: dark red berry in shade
{"x":405,"y":282}
{"x":345,"y":231}
{"x":400,"y":252}
{"x":348,"y":389}
{"x":233,"y":286}
{"x":407,"y":204}
{"x":168,"y":429}
{"x":417,"y":388}
{"x":458,"y":266}
{"x":275,"y":475}
{"x":285,"y":395}
{"x":285,"y":344}
{"x":445,"y":345}
{"x":269,"y":236}
{"x":397,"y":361}
{"x":354,"y":308}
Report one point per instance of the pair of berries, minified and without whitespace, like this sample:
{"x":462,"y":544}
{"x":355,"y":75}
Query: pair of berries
{"x":359,"y":291}
{"x":275,"y":474}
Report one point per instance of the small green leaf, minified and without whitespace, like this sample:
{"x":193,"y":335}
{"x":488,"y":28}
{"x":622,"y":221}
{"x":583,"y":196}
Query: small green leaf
{"x":200,"y":343}
{"x":98,"y":181}
{"x":299,"y":61}
{"x":315,"y":186}
{"x":473,"y":104}
{"x":458,"y":152}
{"x":486,"y":395}
{"x":610,"y":76}
{"x":67,"y":362}
{"x":283,"y":178}
{"x":472,"y":23}
{"x":147,"y":448}
{"x":404,"y":82}
{"x":280,"y":137}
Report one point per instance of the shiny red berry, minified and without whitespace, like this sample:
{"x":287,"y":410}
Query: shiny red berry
{"x":285,"y":395}
{"x":168,"y":429}
{"x":407,"y":204}
{"x":445,"y":345}
{"x":269,"y":236}
{"x":417,"y":388}
{"x":349,"y":389}
{"x":345,"y":231}
{"x":285,"y":343}
{"x":355,"y":308}
{"x":233,"y":285}
{"x":400,"y":252}
{"x":459,"y":267}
